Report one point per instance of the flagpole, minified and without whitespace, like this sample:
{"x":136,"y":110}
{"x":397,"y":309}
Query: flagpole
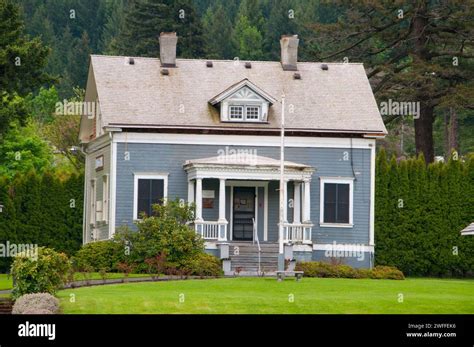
{"x":282,"y":182}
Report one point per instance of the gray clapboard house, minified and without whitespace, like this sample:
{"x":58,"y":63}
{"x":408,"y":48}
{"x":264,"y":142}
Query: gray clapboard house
{"x":208,"y":132}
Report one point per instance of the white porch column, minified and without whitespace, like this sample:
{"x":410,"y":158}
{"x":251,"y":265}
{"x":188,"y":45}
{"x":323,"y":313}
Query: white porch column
{"x":285,"y":199}
{"x":222,"y":200}
{"x":307,"y":201}
{"x":297,"y":203}
{"x":223,"y":226}
{"x":190,"y":192}
{"x":199,"y":199}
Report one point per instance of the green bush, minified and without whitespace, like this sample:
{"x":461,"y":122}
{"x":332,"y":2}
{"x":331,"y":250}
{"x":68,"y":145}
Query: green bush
{"x":203,"y":265}
{"x":99,"y":256}
{"x":166,"y":232}
{"x":45,"y":273}
{"x":387,"y":272}
{"x":322,"y":269}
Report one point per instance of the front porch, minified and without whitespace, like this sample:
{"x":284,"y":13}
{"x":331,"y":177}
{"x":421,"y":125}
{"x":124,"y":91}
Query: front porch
{"x":246,"y":189}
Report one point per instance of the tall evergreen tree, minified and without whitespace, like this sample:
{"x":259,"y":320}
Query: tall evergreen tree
{"x":145,"y":20}
{"x":217,"y":33}
{"x":282,"y":21}
{"x":247,"y":40}
{"x":21,"y":63}
{"x":419,"y":51}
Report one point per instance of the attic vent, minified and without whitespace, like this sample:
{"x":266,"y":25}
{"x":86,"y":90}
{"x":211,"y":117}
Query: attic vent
{"x":131,"y":61}
{"x":165,"y":72}
{"x":209,"y":63}
{"x":324,"y":67}
{"x":297,"y":76}
{"x":248,"y":65}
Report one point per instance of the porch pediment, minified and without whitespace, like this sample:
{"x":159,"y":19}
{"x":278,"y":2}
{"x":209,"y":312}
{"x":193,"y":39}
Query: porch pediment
{"x":245,"y":165}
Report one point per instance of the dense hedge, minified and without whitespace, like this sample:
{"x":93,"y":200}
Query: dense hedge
{"x":37,"y":209}
{"x":326,"y":270}
{"x":419,"y":213}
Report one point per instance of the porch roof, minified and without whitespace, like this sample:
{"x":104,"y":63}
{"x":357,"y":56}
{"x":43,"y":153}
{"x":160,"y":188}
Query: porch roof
{"x":469,"y":230}
{"x":245,"y":166}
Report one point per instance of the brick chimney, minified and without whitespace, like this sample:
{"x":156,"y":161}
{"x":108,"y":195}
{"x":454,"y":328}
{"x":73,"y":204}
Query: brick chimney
{"x":168,"y":42}
{"x":289,"y":52}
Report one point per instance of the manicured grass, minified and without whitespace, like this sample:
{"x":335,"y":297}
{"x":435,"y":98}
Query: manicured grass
{"x":5,"y":282}
{"x":266,"y":295}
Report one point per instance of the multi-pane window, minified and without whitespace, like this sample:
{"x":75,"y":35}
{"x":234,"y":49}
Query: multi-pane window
{"x":150,"y":192}
{"x":252,"y":112}
{"x":244,"y":113}
{"x":236,"y":112}
{"x":337,"y":203}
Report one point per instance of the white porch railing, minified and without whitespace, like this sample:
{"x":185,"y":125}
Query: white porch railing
{"x":211,"y":230}
{"x":297,"y":232}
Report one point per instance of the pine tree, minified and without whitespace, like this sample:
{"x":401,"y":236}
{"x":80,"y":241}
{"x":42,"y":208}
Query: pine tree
{"x":114,"y":24}
{"x":217,"y":34}
{"x":281,"y":21}
{"x":247,"y":40}
{"x":146,"y":19}
{"x":416,"y":51}
{"x":21,"y":62}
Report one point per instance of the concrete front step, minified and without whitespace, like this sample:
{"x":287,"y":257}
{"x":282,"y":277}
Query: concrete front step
{"x":247,"y":258}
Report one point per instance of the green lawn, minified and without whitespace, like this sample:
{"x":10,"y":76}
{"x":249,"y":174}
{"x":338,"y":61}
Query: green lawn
{"x":5,"y":283}
{"x":266,"y":295}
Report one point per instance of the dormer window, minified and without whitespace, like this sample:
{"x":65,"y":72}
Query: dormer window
{"x":244,"y":113}
{"x":243,"y":102}
{"x":236,"y":112}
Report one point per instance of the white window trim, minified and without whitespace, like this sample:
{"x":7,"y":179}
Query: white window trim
{"x":93,"y":202}
{"x":258,"y":119}
{"x":157,"y":176}
{"x":340,"y":180}
{"x":105,"y":198}
{"x":244,"y":107}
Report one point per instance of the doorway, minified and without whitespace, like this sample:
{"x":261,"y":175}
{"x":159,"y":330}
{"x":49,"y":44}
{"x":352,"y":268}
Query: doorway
{"x":243,"y":213}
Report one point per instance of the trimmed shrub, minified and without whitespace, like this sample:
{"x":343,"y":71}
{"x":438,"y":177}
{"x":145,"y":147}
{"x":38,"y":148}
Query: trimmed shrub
{"x":203,"y":265}
{"x":37,"y":303}
{"x":99,"y":256}
{"x":45,"y":273}
{"x":387,"y":272}
{"x":321,"y":269}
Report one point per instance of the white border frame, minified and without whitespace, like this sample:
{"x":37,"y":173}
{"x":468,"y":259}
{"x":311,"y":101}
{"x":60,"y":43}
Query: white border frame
{"x":143,"y":175}
{"x":337,"y":180}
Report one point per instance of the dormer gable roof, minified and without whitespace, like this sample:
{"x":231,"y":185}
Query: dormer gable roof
{"x":237,"y":87}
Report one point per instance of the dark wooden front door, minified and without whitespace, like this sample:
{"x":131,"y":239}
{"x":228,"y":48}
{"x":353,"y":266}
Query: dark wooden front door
{"x":244,"y":211}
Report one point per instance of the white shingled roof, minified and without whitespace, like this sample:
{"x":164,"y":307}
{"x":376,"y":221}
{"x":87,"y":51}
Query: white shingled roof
{"x":337,"y":100}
